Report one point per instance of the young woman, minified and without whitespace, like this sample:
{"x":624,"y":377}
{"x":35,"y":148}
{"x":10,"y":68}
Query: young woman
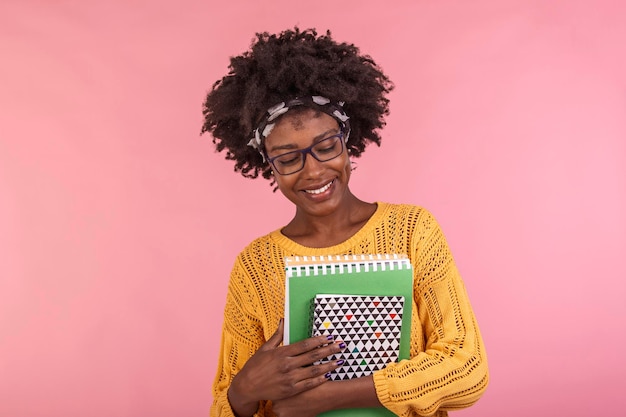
{"x":294,"y":109}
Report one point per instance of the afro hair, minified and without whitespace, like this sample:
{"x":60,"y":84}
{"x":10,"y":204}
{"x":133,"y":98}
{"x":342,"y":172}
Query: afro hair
{"x":293,"y":64}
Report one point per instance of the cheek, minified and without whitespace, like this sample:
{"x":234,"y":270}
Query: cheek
{"x":285,"y":185}
{"x":347,"y":168}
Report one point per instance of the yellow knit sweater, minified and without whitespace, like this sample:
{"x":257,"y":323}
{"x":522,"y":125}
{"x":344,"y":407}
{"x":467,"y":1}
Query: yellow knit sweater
{"x":448,"y":366}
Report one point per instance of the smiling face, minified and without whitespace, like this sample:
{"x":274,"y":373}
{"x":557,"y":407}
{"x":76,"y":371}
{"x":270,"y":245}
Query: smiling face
{"x":320,"y":187}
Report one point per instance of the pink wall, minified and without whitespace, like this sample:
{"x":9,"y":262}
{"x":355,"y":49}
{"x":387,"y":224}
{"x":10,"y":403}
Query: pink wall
{"x":119,"y":224}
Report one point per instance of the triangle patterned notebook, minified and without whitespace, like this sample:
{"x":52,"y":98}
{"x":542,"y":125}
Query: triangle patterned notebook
{"x":369,"y":325}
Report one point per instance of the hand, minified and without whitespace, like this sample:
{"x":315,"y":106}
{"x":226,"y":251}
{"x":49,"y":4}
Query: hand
{"x":353,"y":393}
{"x":276,"y":372}
{"x":306,"y":404}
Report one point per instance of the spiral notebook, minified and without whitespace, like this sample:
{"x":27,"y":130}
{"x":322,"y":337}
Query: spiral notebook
{"x":370,"y":325}
{"x":340,"y":288}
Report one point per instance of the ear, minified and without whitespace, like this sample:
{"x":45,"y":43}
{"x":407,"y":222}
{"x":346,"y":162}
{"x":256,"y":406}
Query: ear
{"x":353,"y":163}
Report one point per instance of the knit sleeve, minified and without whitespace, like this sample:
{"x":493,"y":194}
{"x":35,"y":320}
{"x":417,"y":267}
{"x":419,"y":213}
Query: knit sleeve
{"x":448,"y":367}
{"x":242,"y":336}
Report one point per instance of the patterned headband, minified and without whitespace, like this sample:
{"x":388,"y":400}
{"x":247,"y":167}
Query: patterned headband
{"x":317,"y":102}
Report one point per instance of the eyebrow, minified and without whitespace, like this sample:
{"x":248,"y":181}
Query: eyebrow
{"x":316,"y":138}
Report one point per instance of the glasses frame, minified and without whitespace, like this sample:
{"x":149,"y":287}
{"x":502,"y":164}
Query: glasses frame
{"x":309,"y":151}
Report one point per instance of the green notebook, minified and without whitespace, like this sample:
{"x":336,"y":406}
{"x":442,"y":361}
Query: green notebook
{"x":375,"y":277}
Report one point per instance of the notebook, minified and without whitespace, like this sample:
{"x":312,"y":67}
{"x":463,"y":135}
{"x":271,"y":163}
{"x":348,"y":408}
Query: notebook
{"x":369,"y":325}
{"x":313,"y":281}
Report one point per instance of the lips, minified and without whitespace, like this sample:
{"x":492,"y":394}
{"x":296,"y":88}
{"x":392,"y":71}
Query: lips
{"x":321,"y":189}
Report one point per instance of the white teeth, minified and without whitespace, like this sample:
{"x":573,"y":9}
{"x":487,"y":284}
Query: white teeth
{"x":320,"y":190}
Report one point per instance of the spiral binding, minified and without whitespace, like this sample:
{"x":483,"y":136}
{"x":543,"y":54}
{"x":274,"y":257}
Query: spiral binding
{"x":341,"y":264}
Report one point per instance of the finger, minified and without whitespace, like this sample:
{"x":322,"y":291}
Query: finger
{"x":313,"y":376}
{"x":317,"y":354}
{"x":309,"y":344}
{"x":276,"y":339}
{"x":323,"y":369}
{"x":281,"y":327}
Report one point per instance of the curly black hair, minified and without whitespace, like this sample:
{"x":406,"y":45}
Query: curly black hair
{"x":293,"y":64}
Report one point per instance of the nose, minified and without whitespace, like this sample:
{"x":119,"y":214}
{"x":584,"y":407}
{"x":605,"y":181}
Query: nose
{"x":312,"y":167}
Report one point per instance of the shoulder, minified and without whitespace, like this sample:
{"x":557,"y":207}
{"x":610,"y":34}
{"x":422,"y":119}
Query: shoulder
{"x":409,"y":221}
{"x":256,"y":246}
{"x":262,"y":254}
{"x":411,"y":213}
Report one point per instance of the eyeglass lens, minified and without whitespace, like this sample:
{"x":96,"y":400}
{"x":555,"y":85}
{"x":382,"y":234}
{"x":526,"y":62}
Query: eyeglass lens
{"x":323,"y":151}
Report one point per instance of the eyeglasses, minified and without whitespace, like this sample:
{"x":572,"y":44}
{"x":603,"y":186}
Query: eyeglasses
{"x":324,"y":150}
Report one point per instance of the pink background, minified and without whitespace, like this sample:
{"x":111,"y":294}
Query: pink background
{"x":119,"y":224}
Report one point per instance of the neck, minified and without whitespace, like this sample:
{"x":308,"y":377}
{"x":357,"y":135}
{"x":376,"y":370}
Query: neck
{"x":332,"y":229}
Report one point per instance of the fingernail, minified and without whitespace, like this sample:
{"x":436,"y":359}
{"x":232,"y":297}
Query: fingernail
{"x":340,"y":362}
{"x":329,"y":337}
{"x":327,"y":375}
{"x":342,"y":345}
